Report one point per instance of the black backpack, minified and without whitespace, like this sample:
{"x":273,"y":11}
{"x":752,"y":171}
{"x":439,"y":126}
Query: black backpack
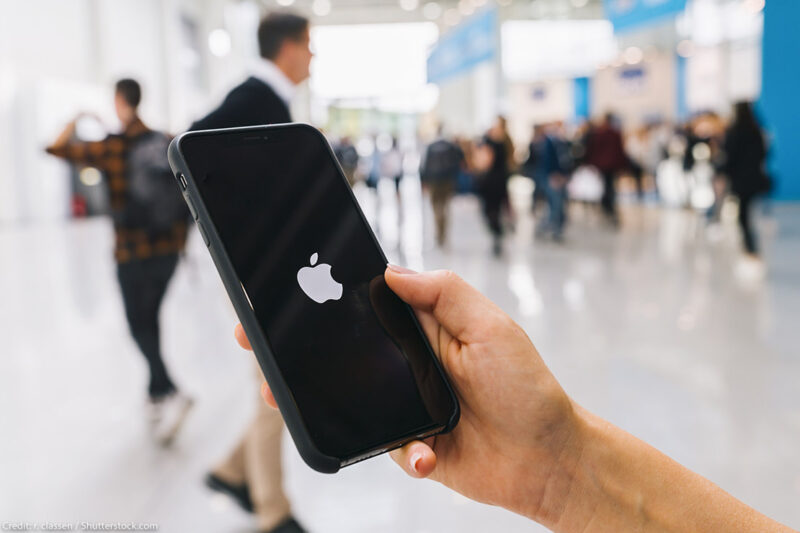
{"x":154,"y":201}
{"x":442,"y":162}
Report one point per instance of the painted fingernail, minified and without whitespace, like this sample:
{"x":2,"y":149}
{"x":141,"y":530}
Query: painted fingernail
{"x":401,"y":270}
{"x":414,"y":460}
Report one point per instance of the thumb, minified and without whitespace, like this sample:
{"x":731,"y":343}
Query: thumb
{"x":458,"y":307}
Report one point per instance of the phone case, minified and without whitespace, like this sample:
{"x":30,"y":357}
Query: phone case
{"x":280,"y":390}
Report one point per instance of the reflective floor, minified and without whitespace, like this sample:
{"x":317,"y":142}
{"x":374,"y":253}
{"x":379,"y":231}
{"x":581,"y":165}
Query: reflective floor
{"x":650,"y":327}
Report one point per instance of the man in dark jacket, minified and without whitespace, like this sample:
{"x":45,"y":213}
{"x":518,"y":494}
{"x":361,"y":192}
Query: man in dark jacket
{"x":252,"y":472}
{"x":605,"y":151}
{"x":441,"y":164}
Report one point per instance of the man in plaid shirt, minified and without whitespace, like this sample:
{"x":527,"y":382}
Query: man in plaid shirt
{"x":146,"y":259}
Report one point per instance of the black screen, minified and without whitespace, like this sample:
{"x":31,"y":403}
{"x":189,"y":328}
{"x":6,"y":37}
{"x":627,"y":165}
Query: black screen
{"x":357,"y":367}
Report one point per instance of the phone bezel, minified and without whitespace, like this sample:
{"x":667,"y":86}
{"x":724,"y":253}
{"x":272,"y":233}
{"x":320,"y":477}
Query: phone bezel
{"x":233,"y":285}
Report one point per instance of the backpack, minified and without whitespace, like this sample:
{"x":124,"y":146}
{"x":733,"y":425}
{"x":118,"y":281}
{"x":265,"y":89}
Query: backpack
{"x":154,"y":201}
{"x":442,"y":162}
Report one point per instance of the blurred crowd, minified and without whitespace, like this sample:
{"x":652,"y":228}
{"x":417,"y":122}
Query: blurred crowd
{"x":697,"y":165}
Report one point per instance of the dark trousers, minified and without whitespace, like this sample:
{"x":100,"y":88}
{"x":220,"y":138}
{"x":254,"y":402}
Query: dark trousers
{"x":745,"y":205}
{"x":492,"y":209}
{"x":143,"y":283}
{"x":609,"y":199}
{"x":557,"y":205}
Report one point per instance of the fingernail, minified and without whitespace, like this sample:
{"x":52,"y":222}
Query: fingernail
{"x":414,"y":459}
{"x":401,"y":270}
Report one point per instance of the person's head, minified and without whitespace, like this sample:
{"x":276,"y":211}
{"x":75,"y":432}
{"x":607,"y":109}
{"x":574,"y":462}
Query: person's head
{"x":284,"y":39}
{"x":743,"y":116}
{"x":127,"y":95}
{"x":609,"y":119}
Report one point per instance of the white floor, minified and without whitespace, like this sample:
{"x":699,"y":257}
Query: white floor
{"x":649,"y":327}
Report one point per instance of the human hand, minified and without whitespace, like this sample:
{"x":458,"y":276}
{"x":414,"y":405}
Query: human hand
{"x":516,"y":422}
{"x":522,"y":444}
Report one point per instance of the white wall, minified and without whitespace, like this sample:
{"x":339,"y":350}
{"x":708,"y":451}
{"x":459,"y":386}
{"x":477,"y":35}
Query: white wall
{"x":469,"y":103}
{"x":654,"y":94}
{"x":537,"y":103}
{"x":60,"y":57}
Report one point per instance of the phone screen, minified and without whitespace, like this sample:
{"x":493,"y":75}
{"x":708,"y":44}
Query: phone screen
{"x":348,"y":348}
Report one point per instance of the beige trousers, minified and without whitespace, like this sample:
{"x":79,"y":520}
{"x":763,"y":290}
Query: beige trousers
{"x":441,"y":193}
{"x":256,"y":461}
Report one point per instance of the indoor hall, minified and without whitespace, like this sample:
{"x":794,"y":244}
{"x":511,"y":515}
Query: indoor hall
{"x":614,"y":182}
{"x":650,"y":326}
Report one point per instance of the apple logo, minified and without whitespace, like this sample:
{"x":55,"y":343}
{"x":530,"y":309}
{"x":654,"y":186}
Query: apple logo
{"x":317,"y":282}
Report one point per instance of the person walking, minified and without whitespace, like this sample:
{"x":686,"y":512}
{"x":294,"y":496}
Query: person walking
{"x":551,"y":175}
{"x":492,"y":186}
{"x":347,"y":155}
{"x":441,"y":164}
{"x":744,"y":155}
{"x":150,"y":222}
{"x":252,"y":474}
{"x":605,"y":151}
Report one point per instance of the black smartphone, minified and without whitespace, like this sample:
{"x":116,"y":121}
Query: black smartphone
{"x":346,"y":359}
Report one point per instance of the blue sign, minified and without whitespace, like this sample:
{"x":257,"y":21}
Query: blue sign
{"x":465,"y":46}
{"x":630,"y":14}
{"x":582,"y":96}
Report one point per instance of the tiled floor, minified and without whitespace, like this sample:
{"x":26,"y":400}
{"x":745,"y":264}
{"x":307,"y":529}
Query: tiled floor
{"x":648,"y":327}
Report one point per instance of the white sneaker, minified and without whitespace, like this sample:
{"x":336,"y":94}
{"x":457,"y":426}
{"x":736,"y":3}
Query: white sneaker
{"x":167,"y":416}
{"x":750,"y":269}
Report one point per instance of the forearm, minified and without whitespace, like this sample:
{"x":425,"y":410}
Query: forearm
{"x":612,"y":481}
{"x":64,"y":137}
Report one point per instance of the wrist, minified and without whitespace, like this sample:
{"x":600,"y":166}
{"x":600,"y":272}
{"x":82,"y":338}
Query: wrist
{"x":564,"y":489}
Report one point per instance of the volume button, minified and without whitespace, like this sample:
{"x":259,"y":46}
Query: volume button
{"x":203,"y":232}
{"x":192,"y":210}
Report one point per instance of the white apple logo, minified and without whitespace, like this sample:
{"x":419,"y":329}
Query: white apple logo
{"x":317,"y":282}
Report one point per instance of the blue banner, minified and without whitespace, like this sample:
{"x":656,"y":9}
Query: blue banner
{"x":467,"y":45}
{"x":582,"y":97}
{"x":630,"y":14}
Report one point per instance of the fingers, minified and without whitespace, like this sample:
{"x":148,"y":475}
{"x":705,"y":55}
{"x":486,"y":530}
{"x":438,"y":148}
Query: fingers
{"x":241,"y":337}
{"x":266,"y":393}
{"x":456,"y":305}
{"x":416,"y":458}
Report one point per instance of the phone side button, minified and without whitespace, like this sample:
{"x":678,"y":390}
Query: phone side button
{"x":192,"y":210}
{"x":203,"y":232}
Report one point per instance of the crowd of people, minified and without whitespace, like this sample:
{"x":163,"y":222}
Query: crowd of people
{"x":696,"y":165}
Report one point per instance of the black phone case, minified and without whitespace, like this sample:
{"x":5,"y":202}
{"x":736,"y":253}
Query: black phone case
{"x":283,"y":397}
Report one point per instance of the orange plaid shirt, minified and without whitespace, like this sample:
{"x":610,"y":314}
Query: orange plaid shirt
{"x":109,"y":156}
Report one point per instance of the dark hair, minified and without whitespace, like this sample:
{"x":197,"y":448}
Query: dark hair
{"x":744,"y":118}
{"x":130,"y":90}
{"x":277,"y":28}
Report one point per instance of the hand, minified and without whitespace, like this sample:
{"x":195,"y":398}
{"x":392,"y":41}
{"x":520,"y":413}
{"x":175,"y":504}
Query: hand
{"x":516,"y":421}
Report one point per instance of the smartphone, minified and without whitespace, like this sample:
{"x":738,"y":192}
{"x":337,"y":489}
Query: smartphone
{"x":350,"y":368}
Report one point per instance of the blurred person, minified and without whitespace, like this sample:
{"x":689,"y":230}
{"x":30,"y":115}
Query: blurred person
{"x":551,"y":173}
{"x":150,"y":233}
{"x":530,"y":167}
{"x":745,"y":153}
{"x":466,"y":176}
{"x":392,"y":164}
{"x":636,"y":146}
{"x":525,"y":445}
{"x":605,"y":151}
{"x":657,"y":141}
{"x":348,"y":158}
{"x":391,"y":167}
{"x":492,"y":185}
{"x":252,"y":473}
{"x":441,"y":164}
